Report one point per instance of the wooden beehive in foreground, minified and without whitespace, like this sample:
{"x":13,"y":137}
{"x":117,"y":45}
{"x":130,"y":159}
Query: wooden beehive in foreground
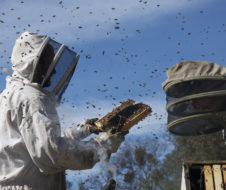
{"x":123,"y":117}
{"x":208,"y":175}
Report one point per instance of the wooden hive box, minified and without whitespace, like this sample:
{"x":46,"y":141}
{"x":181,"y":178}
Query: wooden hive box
{"x":208,"y":175}
{"x":123,"y":117}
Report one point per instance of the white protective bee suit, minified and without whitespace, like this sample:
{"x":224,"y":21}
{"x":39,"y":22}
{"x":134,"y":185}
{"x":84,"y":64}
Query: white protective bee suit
{"x":33,"y":152}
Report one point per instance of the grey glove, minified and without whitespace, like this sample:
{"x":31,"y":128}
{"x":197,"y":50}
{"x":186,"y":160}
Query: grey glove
{"x":111,"y":142}
{"x":89,"y":125}
{"x":82,"y":131}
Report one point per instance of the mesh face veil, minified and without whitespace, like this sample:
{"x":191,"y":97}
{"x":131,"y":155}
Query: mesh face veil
{"x":196,"y":98}
{"x":55,"y":66}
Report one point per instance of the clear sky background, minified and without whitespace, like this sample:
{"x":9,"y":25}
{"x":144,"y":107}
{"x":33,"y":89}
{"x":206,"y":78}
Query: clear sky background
{"x":126,"y":47}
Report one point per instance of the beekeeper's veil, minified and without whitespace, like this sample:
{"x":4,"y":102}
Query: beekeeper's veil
{"x":42,"y":60}
{"x":196,"y":97}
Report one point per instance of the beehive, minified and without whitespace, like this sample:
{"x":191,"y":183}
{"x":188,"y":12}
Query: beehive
{"x":208,"y":175}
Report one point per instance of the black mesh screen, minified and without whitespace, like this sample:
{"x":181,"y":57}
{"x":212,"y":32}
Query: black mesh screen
{"x":197,"y":125}
{"x":198,"y":105}
{"x":62,"y":66}
{"x":64,"y":87}
{"x":194,"y":87}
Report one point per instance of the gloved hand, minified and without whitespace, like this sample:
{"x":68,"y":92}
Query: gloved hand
{"x":89,"y":124}
{"x":111,"y":142}
{"x":83,"y":130}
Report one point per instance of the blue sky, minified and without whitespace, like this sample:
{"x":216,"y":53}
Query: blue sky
{"x":128,"y":62}
{"x":126,"y":47}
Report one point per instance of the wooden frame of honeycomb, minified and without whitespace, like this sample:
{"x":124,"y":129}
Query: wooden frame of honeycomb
{"x":123,"y":117}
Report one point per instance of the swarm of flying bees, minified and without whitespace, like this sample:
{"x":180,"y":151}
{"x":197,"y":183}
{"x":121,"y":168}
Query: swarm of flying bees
{"x":131,"y":85}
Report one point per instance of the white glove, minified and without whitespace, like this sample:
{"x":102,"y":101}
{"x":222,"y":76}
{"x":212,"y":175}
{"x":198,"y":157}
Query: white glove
{"x":111,"y":142}
{"x":89,"y":125}
{"x":82,"y":131}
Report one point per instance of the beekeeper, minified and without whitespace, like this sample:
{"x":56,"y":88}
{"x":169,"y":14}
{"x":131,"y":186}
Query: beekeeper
{"x":33,"y":152}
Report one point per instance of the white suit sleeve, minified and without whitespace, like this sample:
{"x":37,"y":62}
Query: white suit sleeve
{"x":76,"y":133}
{"x":40,"y":129}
